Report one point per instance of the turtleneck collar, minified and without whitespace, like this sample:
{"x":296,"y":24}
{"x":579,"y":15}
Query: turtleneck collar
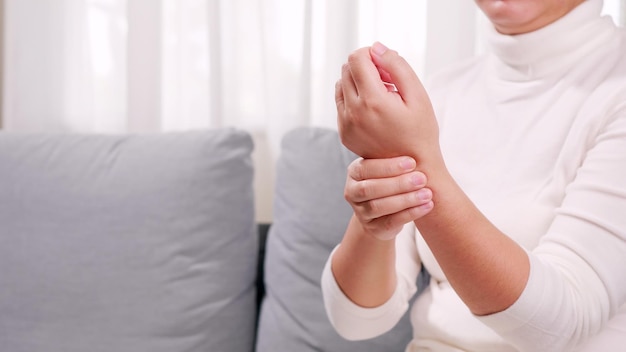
{"x":553,"y":48}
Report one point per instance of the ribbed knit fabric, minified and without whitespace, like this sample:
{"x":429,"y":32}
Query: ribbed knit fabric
{"x":535,"y":133}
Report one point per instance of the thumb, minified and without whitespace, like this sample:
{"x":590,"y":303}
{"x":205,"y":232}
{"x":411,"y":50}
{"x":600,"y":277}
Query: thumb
{"x":400,"y":72}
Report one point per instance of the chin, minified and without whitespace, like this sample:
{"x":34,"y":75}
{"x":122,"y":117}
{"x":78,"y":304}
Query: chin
{"x":523,"y":16}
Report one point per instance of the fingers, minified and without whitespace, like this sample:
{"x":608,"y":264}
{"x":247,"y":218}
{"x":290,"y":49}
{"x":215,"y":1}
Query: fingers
{"x":378,"y":208}
{"x":348,"y":86}
{"x":339,"y":97}
{"x":400,"y":72}
{"x":364,"y":169}
{"x":361,"y":78}
{"x":383,"y":192}
{"x":367,"y":78}
{"x":367,"y":190}
{"x":384,"y":75}
{"x":368,"y":69}
{"x":387,"y":227}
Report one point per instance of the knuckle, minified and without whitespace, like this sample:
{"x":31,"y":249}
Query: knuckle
{"x":403,"y":183}
{"x":395,"y":57}
{"x":403,"y":217}
{"x":374,"y":104}
{"x":412,"y":199}
{"x":415,"y":212}
{"x":359,"y":215}
{"x":351,"y":114}
{"x":356,"y":169}
{"x":353,"y":57}
{"x":338,"y":85}
{"x":373,"y":207}
{"x":362,"y":215}
{"x":347,"y":195}
{"x":350,"y":191}
{"x":362,"y":190}
{"x":389,"y":168}
{"x":409,"y":201}
{"x":410,"y":182}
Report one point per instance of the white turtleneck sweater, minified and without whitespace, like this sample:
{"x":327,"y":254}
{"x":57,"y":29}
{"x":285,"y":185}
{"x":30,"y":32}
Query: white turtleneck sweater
{"x":535,"y":133}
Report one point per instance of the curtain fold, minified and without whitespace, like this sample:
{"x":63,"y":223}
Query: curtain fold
{"x":144,"y":65}
{"x":157,"y":65}
{"x":267,"y":66}
{"x":1,"y":59}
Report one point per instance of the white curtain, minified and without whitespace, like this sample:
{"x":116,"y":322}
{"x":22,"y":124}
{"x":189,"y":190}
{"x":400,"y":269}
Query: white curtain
{"x":266,"y":66}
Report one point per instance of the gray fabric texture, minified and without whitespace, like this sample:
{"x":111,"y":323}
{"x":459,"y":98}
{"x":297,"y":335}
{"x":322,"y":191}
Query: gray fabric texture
{"x":310,"y":217}
{"x":127,"y":243}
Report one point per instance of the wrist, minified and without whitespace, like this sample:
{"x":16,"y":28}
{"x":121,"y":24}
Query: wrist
{"x":373,"y":237}
{"x":432,"y":164}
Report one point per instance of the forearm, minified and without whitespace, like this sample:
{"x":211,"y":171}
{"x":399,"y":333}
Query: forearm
{"x":364,"y":267}
{"x":487,"y":269}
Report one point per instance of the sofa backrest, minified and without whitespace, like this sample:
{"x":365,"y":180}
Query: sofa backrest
{"x":310,"y":217}
{"x":127,"y":243}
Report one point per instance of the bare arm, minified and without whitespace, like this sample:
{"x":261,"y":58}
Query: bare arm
{"x":487,"y":269}
{"x":364,"y":267}
{"x":385,"y":194}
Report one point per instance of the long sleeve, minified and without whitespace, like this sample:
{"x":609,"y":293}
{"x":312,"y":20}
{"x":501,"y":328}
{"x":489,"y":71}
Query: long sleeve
{"x":534,"y":132}
{"x":357,"y":323}
{"x":576,"y":282}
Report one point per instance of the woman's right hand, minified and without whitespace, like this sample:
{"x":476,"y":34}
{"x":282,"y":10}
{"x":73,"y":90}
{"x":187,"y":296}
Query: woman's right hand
{"x":385,"y":194}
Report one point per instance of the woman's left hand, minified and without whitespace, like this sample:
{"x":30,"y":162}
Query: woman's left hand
{"x":378,"y":122}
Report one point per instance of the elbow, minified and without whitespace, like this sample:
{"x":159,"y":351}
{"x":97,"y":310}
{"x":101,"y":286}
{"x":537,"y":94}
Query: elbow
{"x":355,"y":323}
{"x":343,"y":314}
{"x":354,"y":328}
{"x":348,"y":332}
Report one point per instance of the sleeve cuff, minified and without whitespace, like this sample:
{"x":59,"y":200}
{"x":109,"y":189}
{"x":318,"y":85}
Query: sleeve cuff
{"x":354,"y":322}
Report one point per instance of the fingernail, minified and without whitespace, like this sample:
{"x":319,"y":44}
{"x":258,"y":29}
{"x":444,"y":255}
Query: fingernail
{"x":424,"y":194}
{"x":407,"y":164}
{"x":417,"y":180}
{"x":379,"y":49}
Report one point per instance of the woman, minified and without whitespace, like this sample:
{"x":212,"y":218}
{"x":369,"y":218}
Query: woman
{"x":523,"y":227}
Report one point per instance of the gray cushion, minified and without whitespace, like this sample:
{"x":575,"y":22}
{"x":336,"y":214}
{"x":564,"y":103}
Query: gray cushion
{"x":127,"y":243}
{"x":310,"y":217}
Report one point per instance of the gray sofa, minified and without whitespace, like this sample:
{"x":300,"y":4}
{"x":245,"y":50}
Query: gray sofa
{"x":148,"y":243}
